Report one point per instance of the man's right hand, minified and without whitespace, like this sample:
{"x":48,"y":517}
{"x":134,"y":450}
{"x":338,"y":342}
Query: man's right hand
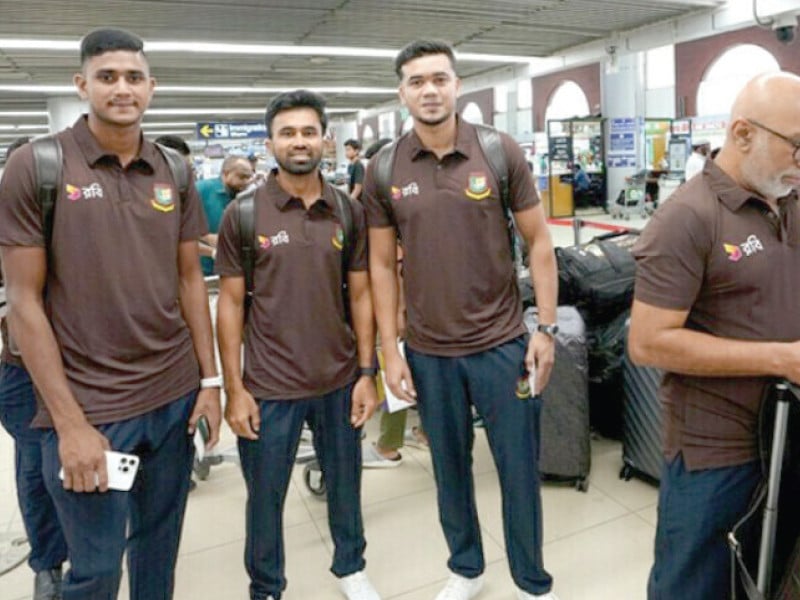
{"x":242,"y":414}
{"x":82,"y":450}
{"x":398,"y":377}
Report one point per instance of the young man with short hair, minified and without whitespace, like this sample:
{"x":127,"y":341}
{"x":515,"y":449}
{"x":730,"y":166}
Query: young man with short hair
{"x":355,"y":168}
{"x":303,"y":360}
{"x":465,"y":340}
{"x":120,"y":347}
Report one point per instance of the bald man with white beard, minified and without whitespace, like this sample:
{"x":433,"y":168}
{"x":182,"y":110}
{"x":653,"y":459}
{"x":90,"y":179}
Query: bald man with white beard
{"x":715,"y":307}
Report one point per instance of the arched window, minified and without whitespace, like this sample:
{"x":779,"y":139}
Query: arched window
{"x":727,"y":75}
{"x":566,"y":102}
{"x":472,"y":113}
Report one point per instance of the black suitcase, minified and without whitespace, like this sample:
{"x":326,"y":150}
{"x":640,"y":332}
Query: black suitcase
{"x":597,"y":277}
{"x":642,"y":452}
{"x":565,"y":453}
{"x":606,"y":346}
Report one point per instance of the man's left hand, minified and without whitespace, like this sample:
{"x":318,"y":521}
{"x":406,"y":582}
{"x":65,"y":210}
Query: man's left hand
{"x":540,"y":357}
{"x":365,"y":401}
{"x":208,"y":405}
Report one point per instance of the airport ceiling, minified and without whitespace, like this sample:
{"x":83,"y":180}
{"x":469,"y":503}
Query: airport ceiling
{"x":518,"y":28}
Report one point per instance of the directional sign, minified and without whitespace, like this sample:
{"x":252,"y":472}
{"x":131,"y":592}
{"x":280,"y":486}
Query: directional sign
{"x":233,"y":130}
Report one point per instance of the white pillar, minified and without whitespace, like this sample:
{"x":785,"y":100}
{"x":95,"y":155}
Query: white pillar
{"x":623,"y":97}
{"x":63,"y":111}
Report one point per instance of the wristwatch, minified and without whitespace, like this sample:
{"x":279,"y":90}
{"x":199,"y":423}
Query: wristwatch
{"x":367,"y":371}
{"x":550,"y":330}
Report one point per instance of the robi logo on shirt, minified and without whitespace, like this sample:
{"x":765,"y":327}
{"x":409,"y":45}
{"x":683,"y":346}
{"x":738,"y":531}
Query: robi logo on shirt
{"x":75,"y":193}
{"x":265,"y":242}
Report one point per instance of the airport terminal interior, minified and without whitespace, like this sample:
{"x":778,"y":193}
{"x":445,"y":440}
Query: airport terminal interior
{"x":622,"y":90}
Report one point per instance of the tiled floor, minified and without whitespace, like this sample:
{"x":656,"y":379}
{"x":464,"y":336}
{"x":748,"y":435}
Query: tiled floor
{"x":598,"y":545}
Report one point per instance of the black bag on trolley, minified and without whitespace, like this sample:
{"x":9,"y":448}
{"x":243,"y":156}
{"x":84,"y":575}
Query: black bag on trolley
{"x":597,"y":277}
{"x":765,"y":543}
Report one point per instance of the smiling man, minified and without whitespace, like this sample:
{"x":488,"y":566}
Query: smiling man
{"x":303,"y":360}
{"x":118,"y":344}
{"x":466,"y":344}
{"x":715,"y":306}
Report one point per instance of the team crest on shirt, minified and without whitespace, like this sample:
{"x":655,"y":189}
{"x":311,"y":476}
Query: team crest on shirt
{"x":749,"y":247}
{"x":523,"y":388}
{"x":162,"y":198}
{"x":478,"y":186}
{"x":338,"y":238}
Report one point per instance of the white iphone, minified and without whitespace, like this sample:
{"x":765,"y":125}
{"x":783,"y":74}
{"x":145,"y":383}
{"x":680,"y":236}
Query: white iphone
{"x":121,"y":470}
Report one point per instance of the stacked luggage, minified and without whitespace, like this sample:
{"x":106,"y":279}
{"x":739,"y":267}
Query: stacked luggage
{"x":597,"y":278}
{"x":565,"y":453}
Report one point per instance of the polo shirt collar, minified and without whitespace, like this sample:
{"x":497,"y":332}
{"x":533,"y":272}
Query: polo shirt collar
{"x":464,"y":141}
{"x":731,"y":193}
{"x":93,"y":152}
{"x":735,"y":197}
{"x":282,"y":197}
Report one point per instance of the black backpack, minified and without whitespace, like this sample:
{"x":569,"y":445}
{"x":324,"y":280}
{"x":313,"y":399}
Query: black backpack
{"x":492,"y":147}
{"x":247,"y":237}
{"x":47,"y":156}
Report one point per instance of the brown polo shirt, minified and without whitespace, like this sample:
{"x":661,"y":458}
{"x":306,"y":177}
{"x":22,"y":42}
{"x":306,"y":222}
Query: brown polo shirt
{"x":459,"y":279}
{"x":112,"y":284}
{"x":717,"y":251}
{"x":297,"y":343}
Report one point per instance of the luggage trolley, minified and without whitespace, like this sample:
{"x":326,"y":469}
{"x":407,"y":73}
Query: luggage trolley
{"x":761,"y":588}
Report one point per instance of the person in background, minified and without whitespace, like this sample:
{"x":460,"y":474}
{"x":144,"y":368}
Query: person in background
{"x":17,"y":410}
{"x":355,"y":168}
{"x":697,"y":159}
{"x":235,"y":175}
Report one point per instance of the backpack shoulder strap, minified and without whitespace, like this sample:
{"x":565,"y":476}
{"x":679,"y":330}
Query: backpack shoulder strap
{"x":47,"y":157}
{"x":246,"y":206}
{"x":344,"y":210}
{"x":492,"y":147}
{"x":383,"y":163}
{"x":179,"y":168}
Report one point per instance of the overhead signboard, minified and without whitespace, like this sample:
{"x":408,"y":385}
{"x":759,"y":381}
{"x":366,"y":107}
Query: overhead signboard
{"x":233,"y":130}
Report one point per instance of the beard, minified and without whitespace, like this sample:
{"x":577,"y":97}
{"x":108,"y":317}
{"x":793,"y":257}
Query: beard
{"x":768,"y":185}
{"x":433,"y":121}
{"x":303,"y":168}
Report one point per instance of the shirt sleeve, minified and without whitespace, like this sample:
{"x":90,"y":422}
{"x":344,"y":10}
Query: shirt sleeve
{"x":671,"y":256}
{"x":522,"y":188}
{"x":358,"y":172}
{"x":378,"y":210}
{"x":193,"y":218}
{"x":20,"y":211}
{"x":229,"y":247}
{"x":359,"y":256}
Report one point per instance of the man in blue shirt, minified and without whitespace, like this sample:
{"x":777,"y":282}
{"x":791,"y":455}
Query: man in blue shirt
{"x":237,"y":172}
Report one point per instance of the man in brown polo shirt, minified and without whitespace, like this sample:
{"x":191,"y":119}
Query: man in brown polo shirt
{"x":716,"y":308}
{"x":303,"y":361}
{"x":118,"y":344}
{"x":465,"y":343}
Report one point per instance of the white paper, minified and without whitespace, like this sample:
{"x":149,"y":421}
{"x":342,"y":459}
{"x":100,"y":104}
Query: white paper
{"x":393,"y":403}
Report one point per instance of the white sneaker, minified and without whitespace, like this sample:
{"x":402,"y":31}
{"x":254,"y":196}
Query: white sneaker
{"x":459,"y":587}
{"x":523,"y":595}
{"x":372,"y":459}
{"x":358,"y":587}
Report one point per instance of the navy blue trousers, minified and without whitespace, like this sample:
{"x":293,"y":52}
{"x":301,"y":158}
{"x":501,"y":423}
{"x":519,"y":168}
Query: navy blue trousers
{"x":489,"y":380}
{"x":17,"y":409}
{"x":267,"y":466}
{"x":146,"y":521}
{"x":696,"y":510}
